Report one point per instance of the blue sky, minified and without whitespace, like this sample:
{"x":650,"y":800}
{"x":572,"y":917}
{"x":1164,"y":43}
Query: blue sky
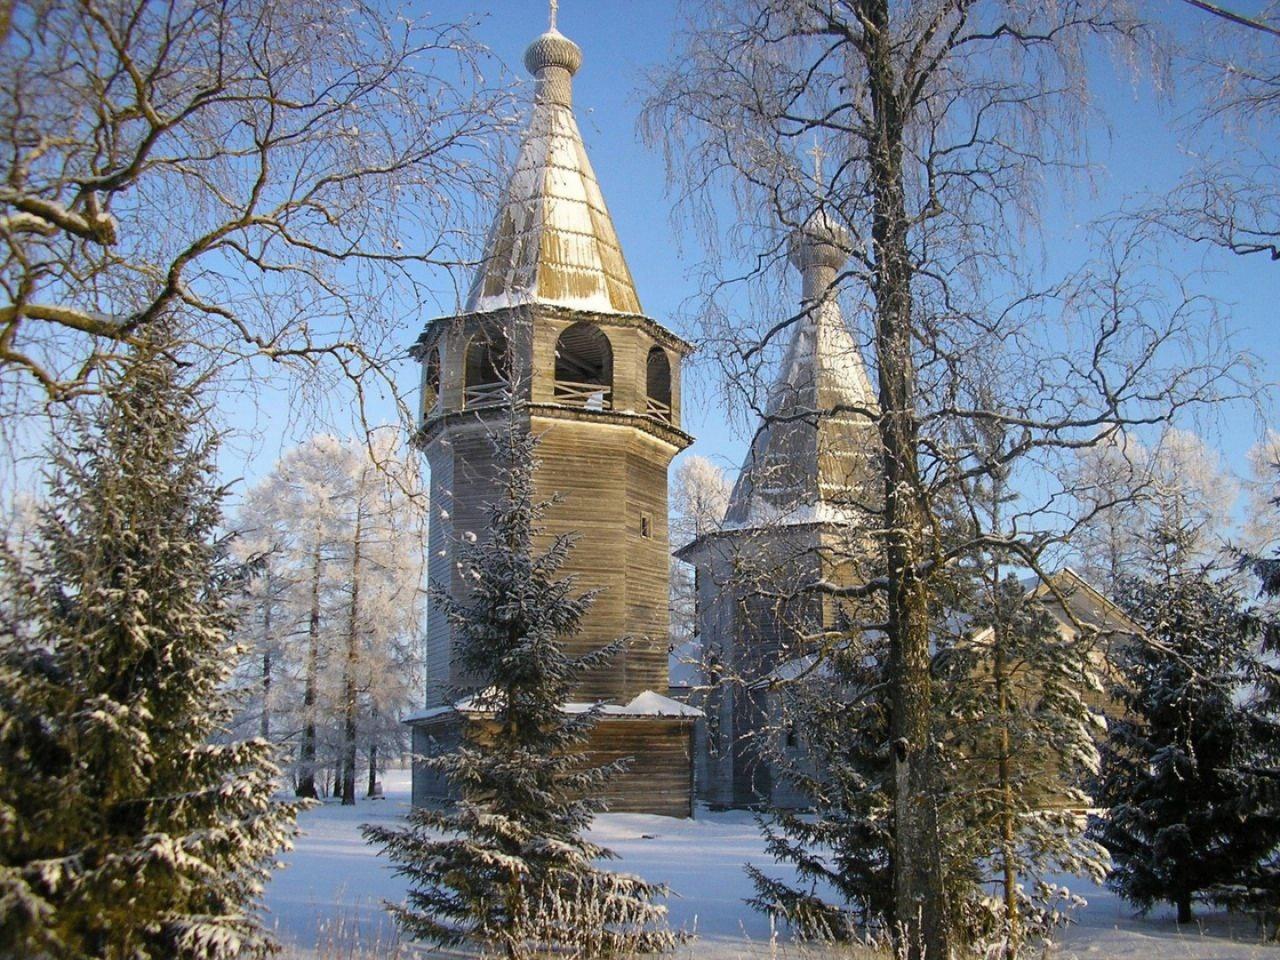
{"x":1137,"y":150}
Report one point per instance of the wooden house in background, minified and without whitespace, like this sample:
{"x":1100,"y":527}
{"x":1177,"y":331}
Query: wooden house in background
{"x":553,"y":322}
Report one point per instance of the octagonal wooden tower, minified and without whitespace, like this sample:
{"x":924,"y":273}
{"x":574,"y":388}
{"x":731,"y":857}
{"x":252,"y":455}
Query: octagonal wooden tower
{"x":553,"y":322}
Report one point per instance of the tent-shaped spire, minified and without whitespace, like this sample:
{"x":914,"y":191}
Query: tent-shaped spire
{"x":553,"y":241}
{"x":809,"y":461}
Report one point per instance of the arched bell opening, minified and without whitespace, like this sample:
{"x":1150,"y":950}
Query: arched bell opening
{"x":584,"y":368}
{"x":657,"y":380}
{"x":487,"y":377}
{"x":431,"y":383}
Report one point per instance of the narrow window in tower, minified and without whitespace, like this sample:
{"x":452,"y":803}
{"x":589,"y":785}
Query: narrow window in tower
{"x":646,"y":528}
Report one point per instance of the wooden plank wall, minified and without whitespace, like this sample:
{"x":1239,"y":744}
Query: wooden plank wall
{"x":660,"y":777}
{"x":658,"y":780}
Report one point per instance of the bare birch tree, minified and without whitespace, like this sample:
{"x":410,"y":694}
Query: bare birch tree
{"x":944,"y":119}
{"x":1230,"y":198}
{"x":277,"y":177}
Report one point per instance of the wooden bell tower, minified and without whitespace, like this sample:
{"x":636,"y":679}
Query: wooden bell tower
{"x":554,"y":323}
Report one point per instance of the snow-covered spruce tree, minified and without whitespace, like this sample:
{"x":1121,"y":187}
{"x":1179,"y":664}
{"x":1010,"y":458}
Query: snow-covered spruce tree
{"x":1257,"y":889}
{"x":508,"y":866}
{"x":1018,"y":751}
{"x":843,"y":845}
{"x":125,"y":831}
{"x":1188,"y":809}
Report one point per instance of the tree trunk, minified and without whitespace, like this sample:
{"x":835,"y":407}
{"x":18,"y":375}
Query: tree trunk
{"x":264,"y":728}
{"x":373,"y":749}
{"x":1008,"y":834}
{"x":1184,"y":907}
{"x":919,"y":895}
{"x":349,"y":669}
{"x":265,"y":725}
{"x":307,"y":752}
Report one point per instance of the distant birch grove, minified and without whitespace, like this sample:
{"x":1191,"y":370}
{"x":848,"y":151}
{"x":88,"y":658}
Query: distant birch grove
{"x":332,"y":612}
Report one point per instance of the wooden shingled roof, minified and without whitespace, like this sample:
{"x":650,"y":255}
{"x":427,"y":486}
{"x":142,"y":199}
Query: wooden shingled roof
{"x":809,"y":460}
{"x":553,"y":240}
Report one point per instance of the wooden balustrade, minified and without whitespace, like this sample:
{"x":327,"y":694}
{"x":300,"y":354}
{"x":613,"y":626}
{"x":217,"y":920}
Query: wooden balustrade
{"x":486,"y":394}
{"x":588,"y":396}
{"x":656,"y":408}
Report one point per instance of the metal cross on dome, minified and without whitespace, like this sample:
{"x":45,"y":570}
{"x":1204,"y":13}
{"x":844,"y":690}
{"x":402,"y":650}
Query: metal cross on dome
{"x":555,"y":10}
{"x":817,"y":153}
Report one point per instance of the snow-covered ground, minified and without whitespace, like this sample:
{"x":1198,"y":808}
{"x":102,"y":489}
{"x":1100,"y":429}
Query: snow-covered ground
{"x":327,"y":902}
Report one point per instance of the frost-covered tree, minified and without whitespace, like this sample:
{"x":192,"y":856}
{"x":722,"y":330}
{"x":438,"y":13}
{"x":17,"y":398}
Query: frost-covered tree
{"x":263,"y":623}
{"x":699,"y":498}
{"x":1015,"y":737}
{"x":944,"y":120}
{"x":337,"y":531}
{"x":844,"y":845}
{"x":1108,"y":486}
{"x":1262,"y":524}
{"x":279,"y":171}
{"x":1124,"y":489}
{"x":1187,"y":808}
{"x":1258,"y":888}
{"x":299,"y":500}
{"x":508,"y":865}
{"x":126,"y":829}
{"x":380,"y":567}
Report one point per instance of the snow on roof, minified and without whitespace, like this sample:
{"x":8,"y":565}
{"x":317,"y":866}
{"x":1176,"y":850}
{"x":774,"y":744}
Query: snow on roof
{"x":651,"y":704}
{"x":646,"y":704}
{"x":553,"y":240}
{"x":430,"y":713}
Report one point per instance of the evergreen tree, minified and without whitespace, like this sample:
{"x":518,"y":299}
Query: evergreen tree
{"x":1018,"y":751}
{"x":126,"y":829}
{"x":507,"y":866}
{"x":1015,"y":739}
{"x":1188,"y":808}
{"x":843,"y":844}
{"x":1257,"y":888}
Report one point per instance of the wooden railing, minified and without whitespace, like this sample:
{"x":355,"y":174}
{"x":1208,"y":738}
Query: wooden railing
{"x":656,"y":408}
{"x":588,"y":396}
{"x":486,"y":394}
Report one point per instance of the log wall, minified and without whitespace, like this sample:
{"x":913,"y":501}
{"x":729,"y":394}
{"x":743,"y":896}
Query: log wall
{"x":658,"y":779}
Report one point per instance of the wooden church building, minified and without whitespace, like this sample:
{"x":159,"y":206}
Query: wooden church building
{"x":798,"y":514}
{"x":553,"y":324}
{"x":801,"y":513}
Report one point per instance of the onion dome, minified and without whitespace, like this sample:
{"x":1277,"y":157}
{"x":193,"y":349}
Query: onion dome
{"x":821,"y":242}
{"x":553,"y":49}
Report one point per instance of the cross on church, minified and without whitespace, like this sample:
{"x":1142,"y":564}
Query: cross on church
{"x":555,"y":10}
{"x":817,"y":153}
